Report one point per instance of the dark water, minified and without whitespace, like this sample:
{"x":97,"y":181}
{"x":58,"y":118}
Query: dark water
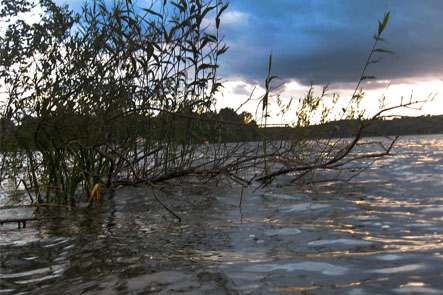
{"x":380,"y":234}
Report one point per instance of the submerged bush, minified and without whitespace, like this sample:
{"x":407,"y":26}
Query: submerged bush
{"x":82,"y":89}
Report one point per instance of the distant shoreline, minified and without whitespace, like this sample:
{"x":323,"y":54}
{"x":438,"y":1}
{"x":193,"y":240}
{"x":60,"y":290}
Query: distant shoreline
{"x":424,"y":125}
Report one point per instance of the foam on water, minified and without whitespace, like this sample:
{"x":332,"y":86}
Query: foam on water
{"x":38,"y":280}
{"x":288,"y":231}
{"x":26,"y":273}
{"x":282,"y":196}
{"x":348,"y":242}
{"x":433,"y":210}
{"x":304,"y":207}
{"x":391,"y":257}
{"x":420,"y":225}
{"x":55,"y":270}
{"x":323,"y":268}
{"x":417,"y":290}
{"x":398,"y":269}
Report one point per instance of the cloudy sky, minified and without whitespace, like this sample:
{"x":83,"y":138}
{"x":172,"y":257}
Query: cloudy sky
{"x":327,"y":42}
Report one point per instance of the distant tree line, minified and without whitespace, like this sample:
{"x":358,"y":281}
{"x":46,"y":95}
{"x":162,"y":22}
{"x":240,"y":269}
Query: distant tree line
{"x":183,"y":127}
{"x":347,"y":128}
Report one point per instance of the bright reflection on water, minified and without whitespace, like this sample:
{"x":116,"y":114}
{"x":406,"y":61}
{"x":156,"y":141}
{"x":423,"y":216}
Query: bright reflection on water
{"x":380,"y":234}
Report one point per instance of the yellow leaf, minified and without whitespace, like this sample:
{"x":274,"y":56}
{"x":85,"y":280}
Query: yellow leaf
{"x":95,"y":193}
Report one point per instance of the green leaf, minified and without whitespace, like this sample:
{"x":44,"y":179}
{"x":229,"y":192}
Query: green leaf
{"x":207,"y":66}
{"x":181,"y":6}
{"x":222,"y":9}
{"x":382,"y":24}
{"x":217,"y":18}
{"x":374,"y":61}
{"x":270,"y":64}
{"x":212,"y":37}
{"x":206,"y":10}
{"x":184,"y":4}
{"x":150,"y":11}
{"x":381,"y":50}
{"x":265,"y":101}
{"x":222,"y":50}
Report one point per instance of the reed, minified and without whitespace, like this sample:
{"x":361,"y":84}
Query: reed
{"x":123,"y":94}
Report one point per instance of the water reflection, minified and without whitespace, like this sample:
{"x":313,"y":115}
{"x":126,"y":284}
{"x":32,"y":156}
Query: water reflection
{"x":381,"y":234}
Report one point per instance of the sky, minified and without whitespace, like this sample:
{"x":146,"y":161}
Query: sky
{"x":327,"y":42}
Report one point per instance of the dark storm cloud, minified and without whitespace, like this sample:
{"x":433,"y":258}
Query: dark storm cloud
{"x":328,"y":41}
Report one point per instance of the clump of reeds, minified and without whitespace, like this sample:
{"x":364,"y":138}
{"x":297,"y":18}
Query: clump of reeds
{"x":123,"y":94}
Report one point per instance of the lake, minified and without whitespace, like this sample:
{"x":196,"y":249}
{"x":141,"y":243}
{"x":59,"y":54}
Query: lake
{"x":381,"y":233}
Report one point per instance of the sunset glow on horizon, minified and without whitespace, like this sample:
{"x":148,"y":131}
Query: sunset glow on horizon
{"x":238,"y":92}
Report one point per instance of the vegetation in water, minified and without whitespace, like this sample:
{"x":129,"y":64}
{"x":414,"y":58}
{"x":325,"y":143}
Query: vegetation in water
{"x":123,"y":93}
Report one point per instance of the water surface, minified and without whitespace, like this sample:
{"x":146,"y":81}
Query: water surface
{"x":381,"y":233}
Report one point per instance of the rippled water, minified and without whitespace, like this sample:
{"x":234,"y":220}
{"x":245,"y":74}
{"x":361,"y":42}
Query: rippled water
{"x":380,"y":234}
